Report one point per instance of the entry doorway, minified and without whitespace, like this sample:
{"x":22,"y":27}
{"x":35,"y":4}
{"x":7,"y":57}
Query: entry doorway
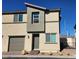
{"x":35,"y":42}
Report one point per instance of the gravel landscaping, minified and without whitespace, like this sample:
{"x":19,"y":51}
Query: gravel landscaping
{"x":64,"y":52}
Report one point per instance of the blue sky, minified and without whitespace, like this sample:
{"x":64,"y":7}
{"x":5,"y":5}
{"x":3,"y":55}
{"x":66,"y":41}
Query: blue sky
{"x":68,"y":10}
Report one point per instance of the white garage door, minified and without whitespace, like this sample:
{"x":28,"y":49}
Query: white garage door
{"x":16,"y":43}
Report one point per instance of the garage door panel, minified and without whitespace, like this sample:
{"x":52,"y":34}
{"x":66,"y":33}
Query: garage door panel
{"x":16,"y":43}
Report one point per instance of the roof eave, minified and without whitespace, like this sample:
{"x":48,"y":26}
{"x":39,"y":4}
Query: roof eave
{"x":35,"y":6}
{"x":14,"y":12}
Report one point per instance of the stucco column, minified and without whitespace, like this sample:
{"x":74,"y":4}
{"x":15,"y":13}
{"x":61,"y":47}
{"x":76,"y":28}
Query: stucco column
{"x":5,"y":41}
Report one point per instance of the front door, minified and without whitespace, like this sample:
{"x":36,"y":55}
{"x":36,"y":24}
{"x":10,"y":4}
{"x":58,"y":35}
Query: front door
{"x":35,"y":42}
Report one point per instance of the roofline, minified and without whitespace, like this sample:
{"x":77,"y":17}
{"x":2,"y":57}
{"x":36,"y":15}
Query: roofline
{"x":14,"y":12}
{"x":42,"y":8}
{"x":23,"y":12}
{"x":55,"y":9}
{"x":35,"y":6}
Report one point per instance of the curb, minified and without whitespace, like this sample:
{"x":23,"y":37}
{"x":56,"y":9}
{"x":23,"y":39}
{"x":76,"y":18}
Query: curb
{"x":36,"y":56}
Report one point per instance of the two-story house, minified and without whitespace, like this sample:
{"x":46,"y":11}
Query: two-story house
{"x":37,"y":28}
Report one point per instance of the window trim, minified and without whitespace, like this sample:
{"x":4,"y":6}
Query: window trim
{"x":33,"y":17}
{"x":17,"y":18}
{"x":50,"y":39}
{"x":21,"y":15}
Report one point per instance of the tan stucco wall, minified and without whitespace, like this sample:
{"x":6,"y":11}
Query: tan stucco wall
{"x":28,"y":42}
{"x":47,"y":47}
{"x":7,"y":18}
{"x":52,"y":27}
{"x":5,"y":41}
{"x":52,"y":16}
{"x":14,"y":29}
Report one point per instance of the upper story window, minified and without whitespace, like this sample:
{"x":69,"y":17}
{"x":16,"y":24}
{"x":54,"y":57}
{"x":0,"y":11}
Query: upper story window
{"x":50,"y":37}
{"x":18,"y":17}
{"x":35,"y":17}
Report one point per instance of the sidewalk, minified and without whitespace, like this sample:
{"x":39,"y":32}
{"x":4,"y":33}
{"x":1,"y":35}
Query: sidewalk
{"x":36,"y":56}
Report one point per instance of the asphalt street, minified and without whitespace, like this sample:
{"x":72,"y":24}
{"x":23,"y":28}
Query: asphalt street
{"x":34,"y":58}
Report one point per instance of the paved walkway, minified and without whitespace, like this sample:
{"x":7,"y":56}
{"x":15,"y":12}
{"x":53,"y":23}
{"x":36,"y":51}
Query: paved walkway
{"x":36,"y":56}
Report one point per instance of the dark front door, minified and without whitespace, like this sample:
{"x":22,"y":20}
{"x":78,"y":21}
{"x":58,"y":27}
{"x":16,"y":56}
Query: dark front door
{"x":35,"y":42}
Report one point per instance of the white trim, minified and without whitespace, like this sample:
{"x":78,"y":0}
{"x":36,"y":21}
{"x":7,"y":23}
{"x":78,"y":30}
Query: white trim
{"x":28,"y":4}
{"x":36,"y":49}
{"x":33,"y":18}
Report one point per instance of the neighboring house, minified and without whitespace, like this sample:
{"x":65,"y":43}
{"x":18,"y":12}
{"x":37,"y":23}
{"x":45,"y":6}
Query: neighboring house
{"x":34,"y":29}
{"x":68,"y":41}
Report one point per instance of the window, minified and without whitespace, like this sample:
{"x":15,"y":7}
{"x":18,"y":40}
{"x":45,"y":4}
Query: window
{"x":50,"y":37}
{"x":18,"y":17}
{"x":35,"y":17}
